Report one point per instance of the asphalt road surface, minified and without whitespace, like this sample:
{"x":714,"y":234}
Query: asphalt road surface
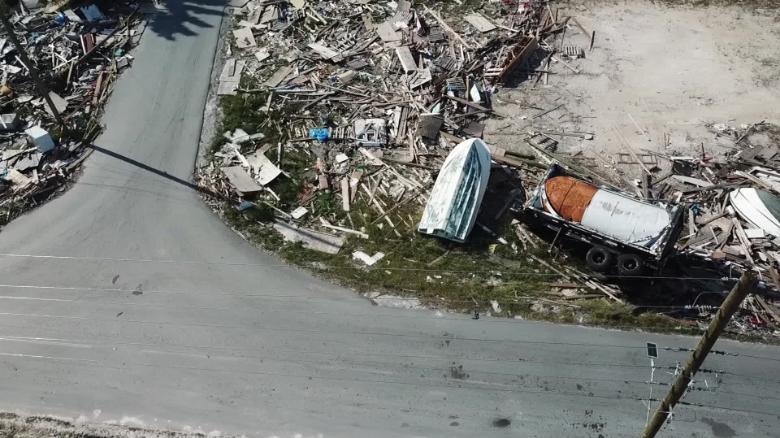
{"x":127,"y":300}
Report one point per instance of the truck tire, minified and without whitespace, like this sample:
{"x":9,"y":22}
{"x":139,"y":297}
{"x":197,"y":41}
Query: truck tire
{"x":599,"y":259}
{"x":630,"y":264}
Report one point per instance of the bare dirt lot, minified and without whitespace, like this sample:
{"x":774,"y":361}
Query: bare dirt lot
{"x":656,"y":78}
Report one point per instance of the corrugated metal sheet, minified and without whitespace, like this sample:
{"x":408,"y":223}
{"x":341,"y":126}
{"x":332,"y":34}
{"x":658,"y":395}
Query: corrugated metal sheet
{"x":457,"y":194}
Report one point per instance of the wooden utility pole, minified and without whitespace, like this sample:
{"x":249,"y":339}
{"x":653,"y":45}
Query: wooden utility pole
{"x":39,"y":85}
{"x":727,"y":309}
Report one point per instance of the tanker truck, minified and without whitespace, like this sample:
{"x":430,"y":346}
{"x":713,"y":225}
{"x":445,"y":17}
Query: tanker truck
{"x":621,"y":232}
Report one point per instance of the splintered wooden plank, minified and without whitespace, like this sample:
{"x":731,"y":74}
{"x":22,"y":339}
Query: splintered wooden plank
{"x":262,"y":54}
{"x":315,"y":240}
{"x":345,"y":194}
{"x":323,"y":50}
{"x":278,"y":76}
{"x":430,"y":125}
{"x":227,"y":88}
{"x":518,"y":54}
{"x":244,"y":38}
{"x":240,"y":179}
{"x":388,"y":33}
{"x":480,"y":22}
{"x":232,"y":70}
{"x":420,"y":78}
{"x":230,"y":77}
{"x":407,"y":59}
{"x":270,"y":13}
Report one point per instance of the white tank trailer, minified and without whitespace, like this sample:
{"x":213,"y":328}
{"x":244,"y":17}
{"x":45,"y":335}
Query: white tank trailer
{"x":622,"y":232}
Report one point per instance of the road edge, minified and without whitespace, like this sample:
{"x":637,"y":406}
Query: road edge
{"x":211,"y":113}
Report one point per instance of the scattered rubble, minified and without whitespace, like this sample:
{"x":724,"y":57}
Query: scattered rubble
{"x":76,"y":52}
{"x":375,"y":103}
{"x":352,"y":110}
{"x":394,"y":301}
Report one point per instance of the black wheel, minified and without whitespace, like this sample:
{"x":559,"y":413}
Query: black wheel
{"x":598,"y":258}
{"x":630,"y":264}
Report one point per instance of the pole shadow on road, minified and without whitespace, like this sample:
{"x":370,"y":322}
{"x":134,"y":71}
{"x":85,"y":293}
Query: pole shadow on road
{"x":156,"y":171}
{"x":182,"y":18}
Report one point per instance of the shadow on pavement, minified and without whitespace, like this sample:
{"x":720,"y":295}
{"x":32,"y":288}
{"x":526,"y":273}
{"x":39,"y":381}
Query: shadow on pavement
{"x":156,"y":171}
{"x":183,"y":17}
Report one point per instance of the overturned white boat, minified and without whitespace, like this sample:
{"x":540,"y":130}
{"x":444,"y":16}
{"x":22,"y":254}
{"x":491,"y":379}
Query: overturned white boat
{"x":454,"y":203}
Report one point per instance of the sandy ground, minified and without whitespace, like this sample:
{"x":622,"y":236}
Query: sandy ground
{"x":656,"y":78}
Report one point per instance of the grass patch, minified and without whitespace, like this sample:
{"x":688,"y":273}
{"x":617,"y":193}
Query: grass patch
{"x":449,"y":276}
{"x":503,"y":279}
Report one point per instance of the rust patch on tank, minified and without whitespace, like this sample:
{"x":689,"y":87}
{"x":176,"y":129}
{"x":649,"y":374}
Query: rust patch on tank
{"x":569,"y":197}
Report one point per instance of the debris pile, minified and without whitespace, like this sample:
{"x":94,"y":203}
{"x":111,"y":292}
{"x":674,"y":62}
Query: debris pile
{"x":731,"y":201}
{"x":731,"y":214}
{"x":335,"y":108}
{"x":372,"y":96}
{"x":50,"y":109}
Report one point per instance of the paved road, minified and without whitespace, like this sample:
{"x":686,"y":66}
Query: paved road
{"x":127,"y":300}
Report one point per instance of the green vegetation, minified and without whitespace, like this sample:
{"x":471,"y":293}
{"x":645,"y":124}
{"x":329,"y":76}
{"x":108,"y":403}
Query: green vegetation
{"x":441,"y":274}
{"x":481,"y":275}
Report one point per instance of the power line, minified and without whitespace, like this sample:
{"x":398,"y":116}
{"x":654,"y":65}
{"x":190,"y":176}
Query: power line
{"x":308,"y":298}
{"x":481,"y":300}
{"x":285,"y":265}
{"x":300,"y":330}
{"x":701,"y":405}
{"x":504,"y":299}
{"x":427,"y":306}
{"x":457,"y":384}
{"x":399,"y":315}
{"x":519,"y":361}
{"x":300,"y":297}
{"x":332,"y":332}
{"x":722,"y":353}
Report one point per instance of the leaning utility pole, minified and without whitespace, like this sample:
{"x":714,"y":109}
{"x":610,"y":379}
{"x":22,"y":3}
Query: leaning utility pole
{"x":727,"y":309}
{"x":39,"y":85}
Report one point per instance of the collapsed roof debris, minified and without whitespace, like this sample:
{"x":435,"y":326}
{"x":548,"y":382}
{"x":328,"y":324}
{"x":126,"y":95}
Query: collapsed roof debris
{"x":375,"y":95}
{"x":77,"y":53}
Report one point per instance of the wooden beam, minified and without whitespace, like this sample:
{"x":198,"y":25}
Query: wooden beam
{"x":473,"y":105}
{"x":447,"y":27}
{"x":743,"y":239}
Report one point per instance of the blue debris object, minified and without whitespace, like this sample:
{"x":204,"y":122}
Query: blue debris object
{"x":320,"y":134}
{"x":60,"y":19}
{"x":246,"y":205}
